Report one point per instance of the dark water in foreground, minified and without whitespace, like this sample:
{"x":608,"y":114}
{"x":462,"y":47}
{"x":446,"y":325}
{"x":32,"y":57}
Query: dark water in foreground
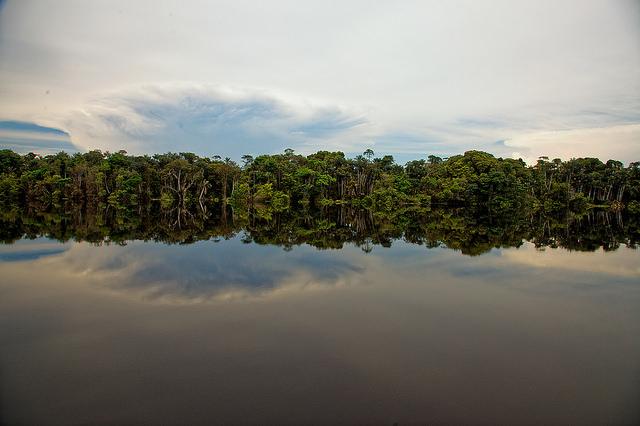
{"x":225,"y":331}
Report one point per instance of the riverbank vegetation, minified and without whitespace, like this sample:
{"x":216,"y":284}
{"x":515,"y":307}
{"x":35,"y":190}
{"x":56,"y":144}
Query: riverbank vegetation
{"x":185,"y":181}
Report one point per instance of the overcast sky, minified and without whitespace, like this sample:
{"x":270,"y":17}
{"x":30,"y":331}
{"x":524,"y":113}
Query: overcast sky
{"x":515,"y":78}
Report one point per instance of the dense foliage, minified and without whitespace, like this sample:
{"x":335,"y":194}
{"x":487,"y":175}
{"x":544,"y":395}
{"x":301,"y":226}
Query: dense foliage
{"x":188,"y":182}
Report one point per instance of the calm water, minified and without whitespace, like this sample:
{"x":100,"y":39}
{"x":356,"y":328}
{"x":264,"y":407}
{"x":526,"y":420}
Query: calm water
{"x":224,"y":330}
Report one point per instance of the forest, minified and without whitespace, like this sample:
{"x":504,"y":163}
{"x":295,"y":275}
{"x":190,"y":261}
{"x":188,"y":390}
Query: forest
{"x":192,"y":184}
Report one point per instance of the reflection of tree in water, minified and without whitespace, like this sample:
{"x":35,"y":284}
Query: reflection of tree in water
{"x":588,"y":232}
{"x":470,"y":232}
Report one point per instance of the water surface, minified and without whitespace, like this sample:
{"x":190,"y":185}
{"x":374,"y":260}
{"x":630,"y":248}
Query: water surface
{"x":227,"y":330}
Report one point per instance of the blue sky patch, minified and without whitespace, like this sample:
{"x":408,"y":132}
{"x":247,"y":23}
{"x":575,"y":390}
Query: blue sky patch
{"x":24,"y":137}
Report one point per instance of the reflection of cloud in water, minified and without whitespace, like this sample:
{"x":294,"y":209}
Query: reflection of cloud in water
{"x":25,"y":250}
{"x":504,"y":263}
{"x":205,"y":271}
{"x":598,"y":262}
{"x":231,"y":270}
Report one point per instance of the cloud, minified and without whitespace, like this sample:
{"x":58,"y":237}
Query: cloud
{"x":206,"y":119}
{"x":414,"y":78}
{"x":615,"y":142}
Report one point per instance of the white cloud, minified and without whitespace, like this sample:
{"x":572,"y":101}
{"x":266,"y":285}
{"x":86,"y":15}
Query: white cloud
{"x":613,"y":142}
{"x":462,"y":74}
{"x":207,"y":119}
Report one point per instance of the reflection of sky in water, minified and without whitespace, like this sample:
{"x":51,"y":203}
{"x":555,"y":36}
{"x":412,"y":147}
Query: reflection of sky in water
{"x":203,"y":270}
{"x":404,"y":334}
{"x":26,"y":250}
{"x":229,"y":269}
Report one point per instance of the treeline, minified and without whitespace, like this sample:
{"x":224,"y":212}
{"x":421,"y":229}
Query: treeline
{"x":288,"y":180}
{"x":331,"y":228}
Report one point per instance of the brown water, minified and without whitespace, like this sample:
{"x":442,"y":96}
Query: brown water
{"x":234,"y":332}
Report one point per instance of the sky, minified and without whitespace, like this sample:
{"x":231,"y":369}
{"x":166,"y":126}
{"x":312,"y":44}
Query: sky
{"x":518,"y":79}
